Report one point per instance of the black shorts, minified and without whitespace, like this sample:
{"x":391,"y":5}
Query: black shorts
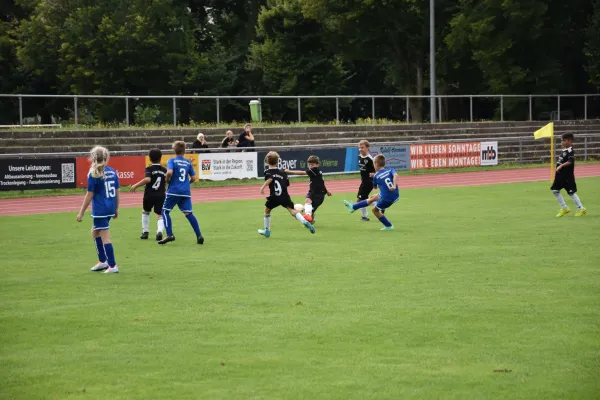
{"x":316,"y":198}
{"x":568,"y":183}
{"x":155,"y":202}
{"x":276,"y":201}
{"x":364,"y":190}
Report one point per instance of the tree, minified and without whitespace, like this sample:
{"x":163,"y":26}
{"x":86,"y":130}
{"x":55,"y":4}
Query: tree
{"x":592,"y":47}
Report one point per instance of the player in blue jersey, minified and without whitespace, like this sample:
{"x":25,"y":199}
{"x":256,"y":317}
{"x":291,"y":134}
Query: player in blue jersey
{"x":103,"y":193}
{"x":180,"y":173}
{"x":386,"y":179}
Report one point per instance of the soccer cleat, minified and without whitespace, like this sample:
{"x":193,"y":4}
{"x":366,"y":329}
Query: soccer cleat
{"x":144,"y":235}
{"x":200,"y":240}
{"x":100,"y":266}
{"x":388,"y":228}
{"x":167,"y":240}
{"x":308,"y":217}
{"x":581,"y":213}
{"x":563,"y":212}
{"x":364,"y":219}
{"x":349,"y":206}
{"x":309,"y":226}
{"x":158,"y":236}
{"x":265,"y":232}
{"x":112,"y":270}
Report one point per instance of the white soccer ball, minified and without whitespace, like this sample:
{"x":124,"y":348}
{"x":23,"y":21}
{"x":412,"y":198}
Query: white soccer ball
{"x":299,"y":207}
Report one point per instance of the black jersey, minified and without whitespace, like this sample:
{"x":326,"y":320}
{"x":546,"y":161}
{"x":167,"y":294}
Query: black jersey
{"x":280,"y":183}
{"x":366,"y":167}
{"x":157,"y":174}
{"x":317,"y":183}
{"x":566,"y":155}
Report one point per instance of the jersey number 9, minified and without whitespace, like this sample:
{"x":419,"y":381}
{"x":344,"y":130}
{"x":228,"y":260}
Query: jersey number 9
{"x":278,"y":189}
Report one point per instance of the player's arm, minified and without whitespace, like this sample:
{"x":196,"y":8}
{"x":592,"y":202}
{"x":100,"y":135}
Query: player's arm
{"x":170,"y":168}
{"x":290,"y":172}
{"x":143,"y":182}
{"x":564,"y":165}
{"x":395,"y":181}
{"x":117,"y":201}
{"x":267,"y":183}
{"x":88,"y":198}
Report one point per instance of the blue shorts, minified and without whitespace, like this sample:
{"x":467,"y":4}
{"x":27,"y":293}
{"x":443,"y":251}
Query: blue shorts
{"x":382,"y":204}
{"x":184,"y":203}
{"x":101,"y":224}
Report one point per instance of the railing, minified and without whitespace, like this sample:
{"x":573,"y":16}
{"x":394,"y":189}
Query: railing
{"x":517,"y":149}
{"x":552,"y":114}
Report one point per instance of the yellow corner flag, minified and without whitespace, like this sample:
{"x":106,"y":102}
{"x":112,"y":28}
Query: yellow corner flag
{"x":547,"y":131}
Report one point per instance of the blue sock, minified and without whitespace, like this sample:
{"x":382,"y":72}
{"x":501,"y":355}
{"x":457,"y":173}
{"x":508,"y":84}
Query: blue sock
{"x":360,"y":204}
{"x":110,"y":254}
{"x":167,"y":218}
{"x":100,"y":249}
{"x":194,"y":223}
{"x":385,"y":221}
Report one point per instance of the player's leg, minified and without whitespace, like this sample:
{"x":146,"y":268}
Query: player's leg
{"x":361,"y":204}
{"x":170,"y":202}
{"x":316,"y":202}
{"x":556,"y":187}
{"x":363,"y":194}
{"x":185,"y":205}
{"x":572,"y":192}
{"x":158,"y":206}
{"x":110,"y":252}
{"x":308,"y":204}
{"x":289,"y":205}
{"x":378,"y":211}
{"x":266,"y":232}
{"x":146,"y":208}
{"x":101,"y":265}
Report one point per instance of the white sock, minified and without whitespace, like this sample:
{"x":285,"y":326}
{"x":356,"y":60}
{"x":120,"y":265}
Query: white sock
{"x":268,"y":221}
{"x":577,"y":201}
{"x":308,"y":208}
{"x":161,"y":225}
{"x":364,"y":212}
{"x":145,"y":221}
{"x":560,"y":199}
{"x":300,"y":218}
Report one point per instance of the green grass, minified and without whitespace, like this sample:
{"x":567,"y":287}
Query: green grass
{"x":243,"y":182}
{"x":474,"y":280}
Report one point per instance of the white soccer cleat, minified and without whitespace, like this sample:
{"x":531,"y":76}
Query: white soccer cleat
{"x":112,"y":270}
{"x":100,"y":266}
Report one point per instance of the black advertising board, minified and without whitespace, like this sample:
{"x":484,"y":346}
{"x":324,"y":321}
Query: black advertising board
{"x":37,"y":173}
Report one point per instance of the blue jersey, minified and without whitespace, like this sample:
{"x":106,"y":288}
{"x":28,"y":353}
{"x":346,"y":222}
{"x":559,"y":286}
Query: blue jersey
{"x":384,"y":179}
{"x":182,"y":168}
{"x":104,"y":202}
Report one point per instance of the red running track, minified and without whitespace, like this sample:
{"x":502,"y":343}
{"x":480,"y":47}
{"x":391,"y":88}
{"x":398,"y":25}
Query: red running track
{"x":44,"y":205}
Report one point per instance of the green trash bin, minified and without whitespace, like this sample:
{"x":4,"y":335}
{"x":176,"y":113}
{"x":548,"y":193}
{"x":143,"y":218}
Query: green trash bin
{"x":255,"y":110}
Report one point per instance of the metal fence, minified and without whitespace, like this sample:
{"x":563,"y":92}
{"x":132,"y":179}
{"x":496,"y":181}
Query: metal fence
{"x":556,"y":111}
{"x":514,"y":150}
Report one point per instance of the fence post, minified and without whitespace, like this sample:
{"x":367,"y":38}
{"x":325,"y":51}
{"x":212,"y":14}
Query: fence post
{"x":585,"y":148}
{"x":520,"y":151}
{"x":76,"y":111}
{"x":558,"y":107}
{"x":127,"y":111}
{"x":471,"y":107}
{"x":501,"y":108}
{"x":439,"y":109}
{"x":407,"y":109}
{"x":373,"y":108}
{"x":585,"y":107}
{"x":260,"y":109}
{"x":174,"y":112}
{"x":218,"y":111}
{"x":530,"y":108}
{"x":337,"y":110}
{"x":20,"y":110}
{"x":299,"y":112}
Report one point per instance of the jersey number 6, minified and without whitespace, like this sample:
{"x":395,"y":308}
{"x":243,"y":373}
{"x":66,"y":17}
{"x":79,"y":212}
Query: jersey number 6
{"x":389,"y":183}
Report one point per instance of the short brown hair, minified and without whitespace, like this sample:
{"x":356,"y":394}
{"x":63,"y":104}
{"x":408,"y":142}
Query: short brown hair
{"x":314,"y":160}
{"x":365,"y":142}
{"x":379,"y":160}
{"x":567,"y":136}
{"x":272,"y":158}
{"x":179,"y":147}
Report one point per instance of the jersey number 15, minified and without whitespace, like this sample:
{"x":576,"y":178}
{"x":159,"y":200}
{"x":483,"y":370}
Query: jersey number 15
{"x":110,"y":189}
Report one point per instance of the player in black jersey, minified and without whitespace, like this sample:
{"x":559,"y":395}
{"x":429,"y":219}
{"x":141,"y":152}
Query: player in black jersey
{"x":278,"y":182}
{"x":565,"y":177}
{"x":154,"y":193}
{"x":316,"y":188}
{"x":367,"y":170}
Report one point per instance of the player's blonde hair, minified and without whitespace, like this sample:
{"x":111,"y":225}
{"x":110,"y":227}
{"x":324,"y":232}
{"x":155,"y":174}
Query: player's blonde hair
{"x":99,"y":159}
{"x":314,"y":160}
{"x":179,"y":147}
{"x":379,"y":160}
{"x":272,"y":158}
{"x":365,"y":142}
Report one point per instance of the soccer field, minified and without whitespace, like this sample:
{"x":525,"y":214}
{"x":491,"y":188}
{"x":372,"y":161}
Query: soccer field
{"x":480,"y":293}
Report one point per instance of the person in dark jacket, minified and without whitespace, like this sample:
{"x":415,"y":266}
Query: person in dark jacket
{"x":200,"y":143}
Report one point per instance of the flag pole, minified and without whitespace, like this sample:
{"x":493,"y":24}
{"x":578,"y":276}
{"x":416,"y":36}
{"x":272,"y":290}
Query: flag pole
{"x":552,"y":168}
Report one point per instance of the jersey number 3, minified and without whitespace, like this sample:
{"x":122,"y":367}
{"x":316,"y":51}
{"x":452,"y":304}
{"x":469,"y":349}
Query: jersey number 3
{"x":182,"y":171}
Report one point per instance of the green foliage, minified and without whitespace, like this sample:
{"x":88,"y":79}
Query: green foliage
{"x":592,"y":48}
